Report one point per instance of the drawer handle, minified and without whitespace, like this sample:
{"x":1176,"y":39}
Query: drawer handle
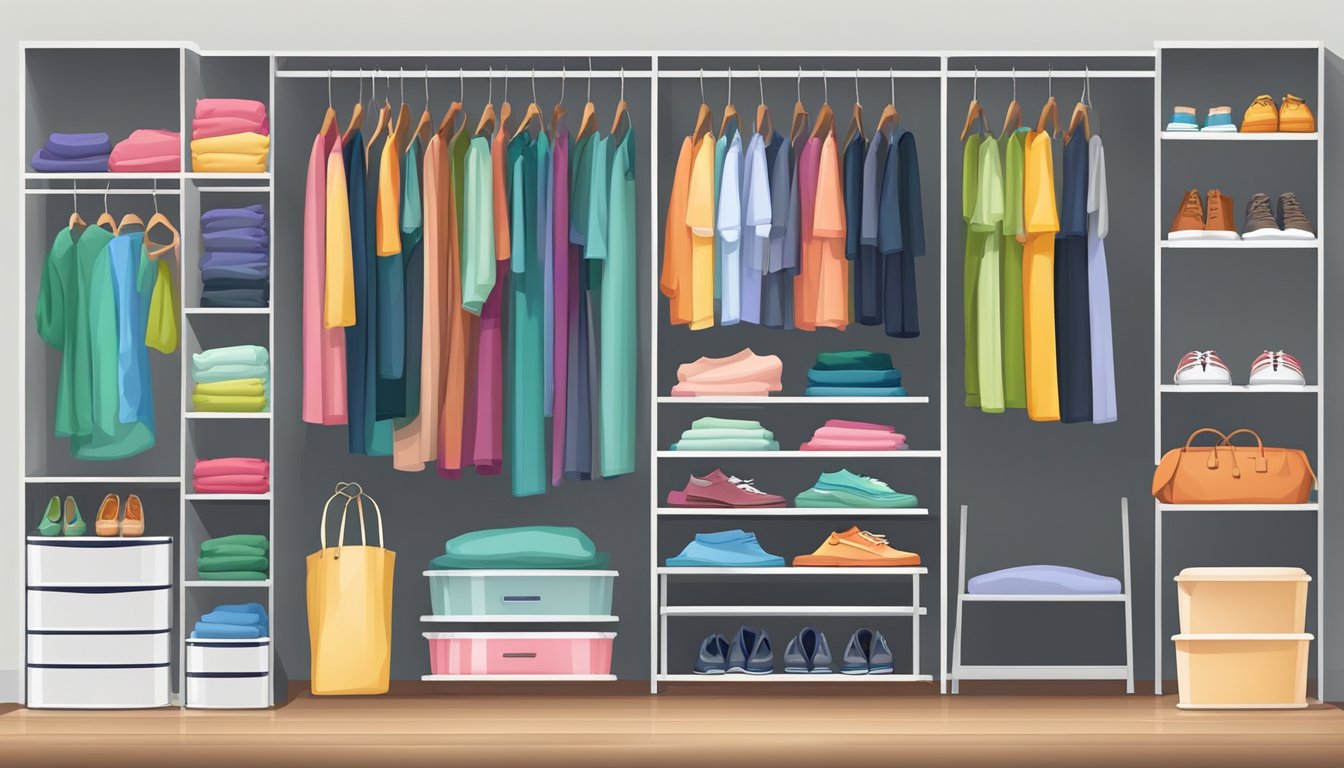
{"x":520,"y":655}
{"x":522,"y":598}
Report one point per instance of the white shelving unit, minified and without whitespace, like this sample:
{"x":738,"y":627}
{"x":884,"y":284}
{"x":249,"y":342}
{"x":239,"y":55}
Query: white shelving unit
{"x":1319,"y":217}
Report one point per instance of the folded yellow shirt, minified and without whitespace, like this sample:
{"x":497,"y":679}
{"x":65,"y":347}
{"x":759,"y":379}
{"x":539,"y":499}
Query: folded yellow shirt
{"x":233,"y":143}
{"x":235,"y":387}
{"x":225,"y":162}
{"x":230,"y":403}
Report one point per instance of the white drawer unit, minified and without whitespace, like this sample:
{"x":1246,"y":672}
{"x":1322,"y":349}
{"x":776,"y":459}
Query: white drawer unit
{"x":118,"y":607}
{"x":98,"y":687}
{"x":228,"y":674}
{"x":91,"y":560}
{"x":149,"y":647}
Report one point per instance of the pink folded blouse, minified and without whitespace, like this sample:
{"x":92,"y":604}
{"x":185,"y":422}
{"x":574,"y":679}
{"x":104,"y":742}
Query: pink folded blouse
{"x":147,"y":150}
{"x":209,"y":127}
{"x":832,"y":444}
{"x":232,"y":484}
{"x":851,"y":433}
{"x":237,"y":465}
{"x":244,"y":108}
{"x":858,"y":425}
{"x":739,"y":389}
{"x":744,"y":366}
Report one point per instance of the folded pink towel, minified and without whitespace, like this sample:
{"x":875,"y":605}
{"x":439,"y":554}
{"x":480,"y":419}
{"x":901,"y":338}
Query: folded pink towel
{"x":850,"y":433}
{"x":740,"y":389}
{"x":208,"y":127}
{"x":245,"y":108}
{"x":161,"y":164}
{"x":232,"y":484}
{"x":829,"y":444}
{"x":236,"y":465}
{"x":147,"y":150}
{"x":858,"y":425}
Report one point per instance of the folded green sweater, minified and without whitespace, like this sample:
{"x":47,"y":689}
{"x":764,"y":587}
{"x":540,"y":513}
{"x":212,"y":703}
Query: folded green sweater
{"x":245,"y":550}
{"x":853,"y":360}
{"x":243,"y":354}
{"x":234,"y":575}
{"x":209,"y":563}
{"x":714,"y":422}
{"x":245,"y":539}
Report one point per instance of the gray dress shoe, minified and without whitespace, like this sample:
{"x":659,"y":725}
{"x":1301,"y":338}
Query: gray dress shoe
{"x":713,"y":656}
{"x":750,"y":652}
{"x":808,"y":653}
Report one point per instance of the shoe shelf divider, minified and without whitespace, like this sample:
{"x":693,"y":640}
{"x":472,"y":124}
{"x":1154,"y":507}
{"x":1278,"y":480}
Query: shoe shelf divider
{"x":1308,"y":60}
{"x":902,"y":71}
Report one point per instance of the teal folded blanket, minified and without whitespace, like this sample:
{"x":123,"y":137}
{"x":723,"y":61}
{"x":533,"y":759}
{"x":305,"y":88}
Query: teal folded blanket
{"x":889,"y":378}
{"x":853,"y":360}
{"x":732,"y":434}
{"x":216,"y":373}
{"x":855,"y":392}
{"x":234,"y":575}
{"x":724,"y":444}
{"x":244,"y":539}
{"x":528,"y":546}
{"x":243,"y":354}
{"x":235,"y":549}
{"x":713,"y":422}
{"x":206,"y":563}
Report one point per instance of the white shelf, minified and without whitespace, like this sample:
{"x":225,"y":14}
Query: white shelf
{"x":107,"y":176}
{"x":725,"y":455}
{"x":916,"y":570}
{"x":792,"y":400}
{"x":227,"y":415}
{"x":199,"y":175}
{"x":1236,"y":136}
{"x":1043,"y":598}
{"x":1253,"y":46}
{"x":228,"y":310}
{"x":788,"y":678}
{"x":207,"y":583}
{"x":791,"y":610}
{"x":791,"y":512}
{"x":519,"y":619}
{"x":1254,"y":245}
{"x":228,"y":497}
{"x":517,"y":678}
{"x":1240,"y":388}
{"x":107,"y":479}
{"x":1238,"y":507}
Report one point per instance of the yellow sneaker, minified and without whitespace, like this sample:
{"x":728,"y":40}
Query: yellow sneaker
{"x":1261,"y":117}
{"x":1295,"y":117}
{"x":856,"y":548}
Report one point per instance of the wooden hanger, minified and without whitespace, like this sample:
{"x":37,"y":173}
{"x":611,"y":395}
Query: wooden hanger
{"x":729,"y":109}
{"x":974,"y":110}
{"x":764,"y":125}
{"x":400,"y":131}
{"x":558,"y":112}
{"x":357,"y":116}
{"x":1051,"y":109}
{"x":130,"y":220}
{"x":856,"y":116}
{"x":384,"y":117}
{"x":486,"y":126}
{"x":105,"y":219}
{"x":798,"y":123}
{"x":454,"y":110}
{"x":76,"y":221}
{"x":621,"y":107}
{"x":1013,"y":119}
{"x":159,"y":220}
{"x":533,"y":112}
{"x":423,"y":128}
{"x":889,"y":117}
{"x":329,"y":118}
{"x":825,"y":116}
{"x":704,"y":118}
{"x":1081,"y":114}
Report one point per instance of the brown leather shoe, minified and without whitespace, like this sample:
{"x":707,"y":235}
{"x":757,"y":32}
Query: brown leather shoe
{"x":1189,"y":221}
{"x":106,"y":524}
{"x":1220,"y":225}
{"x":134,"y":523}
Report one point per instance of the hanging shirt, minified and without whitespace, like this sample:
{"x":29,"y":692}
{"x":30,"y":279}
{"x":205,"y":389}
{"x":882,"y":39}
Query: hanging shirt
{"x":756,"y":215}
{"x":526,"y":440}
{"x":619,"y":355}
{"x":415,"y":441}
{"x":338,"y":273}
{"x":451,"y":397}
{"x":326,"y":239}
{"x":720,"y":153}
{"x":135,"y":391}
{"x":728,"y":223}
{"x":57,"y":316}
{"x":1038,"y":277}
{"x":1098,"y":286}
{"x":359,"y":387}
{"x":777,"y":283}
{"x":1073,"y":332}
{"x":488,"y":448}
{"x":545,"y":225}
{"x":852,"y":184}
{"x":1014,"y":234}
{"x":975,"y":247}
{"x":478,"y":255}
{"x":392,"y":297}
{"x":411,"y":217}
{"x":985,"y":221}
{"x":700,"y":221}
{"x":900,"y":235}
{"x":579,"y":434}
{"x":869,"y":267}
{"x":828,"y":231}
{"x":675,"y":279}
{"x":806,"y":285}
{"x":380,"y":440}
{"x":559,"y":235}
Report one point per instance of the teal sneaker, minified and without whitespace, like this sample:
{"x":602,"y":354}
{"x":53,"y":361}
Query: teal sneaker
{"x":846,"y":489}
{"x":1183,"y":119}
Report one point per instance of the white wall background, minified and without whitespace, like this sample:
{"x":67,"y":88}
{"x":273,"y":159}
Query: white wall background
{"x":623,"y":25}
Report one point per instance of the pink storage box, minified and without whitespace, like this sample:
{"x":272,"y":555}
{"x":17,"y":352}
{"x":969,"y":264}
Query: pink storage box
{"x":520,"y":653}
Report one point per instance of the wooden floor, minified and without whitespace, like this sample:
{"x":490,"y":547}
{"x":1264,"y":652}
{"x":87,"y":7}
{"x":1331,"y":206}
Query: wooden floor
{"x":686,"y":726}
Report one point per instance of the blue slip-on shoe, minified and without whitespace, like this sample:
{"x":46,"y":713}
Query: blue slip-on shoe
{"x":808,"y":653}
{"x":855,"y":660}
{"x":725,"y":549}
{"x":750,"y":652}
{"x":1183,"y":119}
{"x":879,"y":656}
{"x":713,"y":656}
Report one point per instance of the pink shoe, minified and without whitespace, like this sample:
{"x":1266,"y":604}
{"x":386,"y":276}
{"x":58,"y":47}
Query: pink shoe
{"x":719,"y":490}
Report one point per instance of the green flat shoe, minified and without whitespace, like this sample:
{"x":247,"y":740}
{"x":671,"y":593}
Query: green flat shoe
{"x":50,"y":524}
{"x":74,"y":524}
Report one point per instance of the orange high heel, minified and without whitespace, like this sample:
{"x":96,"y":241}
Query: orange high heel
{"x":106,"y":523}
{"x":134,"y":522}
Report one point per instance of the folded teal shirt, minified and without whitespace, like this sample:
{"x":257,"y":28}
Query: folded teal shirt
{"x":855,"y":392}
{"x":854,"y":360}
{"x":714,"y":422}
{"x":732,"y":434}
{"x":244,"y":354}
{"x":724,"y":444}
{"x":211,"y":564}
{"x":888,"y":378}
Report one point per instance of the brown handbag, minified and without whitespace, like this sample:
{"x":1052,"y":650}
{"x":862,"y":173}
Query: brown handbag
{"x":1230,"y":474}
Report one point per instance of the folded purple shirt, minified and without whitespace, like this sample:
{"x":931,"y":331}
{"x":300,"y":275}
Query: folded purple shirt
{"x":232,"y":258}
{"x":236,"y":272}
{"x":221,"y":219}
{"x":45,"y":162}
{"x":75,"y":146}
{"x":252,"y":239}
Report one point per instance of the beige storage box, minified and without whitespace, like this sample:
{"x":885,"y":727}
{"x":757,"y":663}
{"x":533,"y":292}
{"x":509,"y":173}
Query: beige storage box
{"x":1242,"y":600}
{"x":1242,"y":671}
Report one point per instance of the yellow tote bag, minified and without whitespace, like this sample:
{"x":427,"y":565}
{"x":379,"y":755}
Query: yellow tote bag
{"x":350,"y":606}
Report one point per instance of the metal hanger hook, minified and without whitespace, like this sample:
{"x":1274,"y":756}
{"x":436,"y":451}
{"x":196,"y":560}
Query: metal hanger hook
{"x":490,"y":85}
{"x":1014,"y":82}
{"x":563,"y":72}
{"x":106,"y":192}
{"x":702,"y":86}
{"x":590,"y":79}
{"x":760,"y":73}
{"x":892,"y":73}
{"x":328,"y":88}
{"x":534,"y":85}
{"x":622,"y":83}
{"x":825,"y":89}
{"x":800,"y":82}
{"x":403,"y":84}
{"x":74,"y":195}
{"x":361,"y":86}
{"x":373,"y":88}
{"x":1050,"y":81}
{"x":505,"y":100}
{"x":426,"y":87}
{"x":975,"y":84}
{"x":461,"y":86}
{"x":730,"y":85}
{"x":155,"y":195}
{"x":856,"y":88}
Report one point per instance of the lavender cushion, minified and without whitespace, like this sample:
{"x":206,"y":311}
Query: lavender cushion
{"x":45,"y":162}
{"x":1042,"y":580}
{"x":74,"y":146}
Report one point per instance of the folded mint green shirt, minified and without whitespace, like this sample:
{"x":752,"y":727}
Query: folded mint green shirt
{"x":725,"y":444}
{"x":714,"y":422}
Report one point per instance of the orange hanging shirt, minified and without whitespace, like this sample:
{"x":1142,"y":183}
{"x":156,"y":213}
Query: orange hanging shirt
{"x":675,"y":282}
{"x":700,"y":220}
{"x":828,"y":232}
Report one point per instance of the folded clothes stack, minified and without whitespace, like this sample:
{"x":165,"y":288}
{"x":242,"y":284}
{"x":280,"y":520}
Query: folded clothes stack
{"x":73,"y":153}
{"x":714,"y":434}
{"x":232,"y":475}
{"x":234,"y":267}
{"x":240,"y":557}
{"x":230,"y":136}
{"x":234,"y":379}
{"x":842,"y":435}
{"x":745,"y":374}
{"x":147,"y":150}
{"x":245,"y":621}
{"x":855,"y":373}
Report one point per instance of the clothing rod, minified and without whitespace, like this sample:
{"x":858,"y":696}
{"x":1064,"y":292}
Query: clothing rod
{"x":453,"y":74}
{"x":747,"y":73}
{"x":96,"y":192}
{"x":1076,"y":74}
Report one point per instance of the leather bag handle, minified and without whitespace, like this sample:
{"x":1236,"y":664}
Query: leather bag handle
{"x":352,"y":492}
{"x":1213,"y":455}
{"x":1261,"y":463}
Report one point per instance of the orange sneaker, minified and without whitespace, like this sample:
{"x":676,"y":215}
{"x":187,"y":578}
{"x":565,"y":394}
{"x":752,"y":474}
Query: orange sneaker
{"x":1189,"y":221}
{"x":1220,"y":224}
{"x":1261,"y":117}
{"x":856,"y":548}
{"x":1295,"y":116}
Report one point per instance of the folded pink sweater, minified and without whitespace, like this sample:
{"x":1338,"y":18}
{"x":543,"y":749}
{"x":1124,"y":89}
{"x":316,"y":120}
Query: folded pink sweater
{"x":851,"y":433}
{"x":238,"y":465}
{"x":147,"y":150}
{"x":739,"y":389}
{"x":858,"y":425}
{"x":831,"y":444}
{"x":244,"y":108}
{"x":207,"y":127}
{"x":217,"y":485}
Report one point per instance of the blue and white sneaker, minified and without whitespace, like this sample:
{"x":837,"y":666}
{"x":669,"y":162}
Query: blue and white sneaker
{"x":1183,"y":119}
{"x":750,"y":652}
{"x":808,"y":653}
{"x":1219,"y":120}
{"x":713,"y":656}
{"x":867,"y":653}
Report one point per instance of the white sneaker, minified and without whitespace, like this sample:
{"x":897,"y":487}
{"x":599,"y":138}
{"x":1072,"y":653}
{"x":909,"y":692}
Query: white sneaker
{"x":1202,"y":368}
{"x":1277,"y":368}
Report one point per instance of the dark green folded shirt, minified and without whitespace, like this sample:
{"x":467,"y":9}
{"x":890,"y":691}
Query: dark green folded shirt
{"x":853,"y":360}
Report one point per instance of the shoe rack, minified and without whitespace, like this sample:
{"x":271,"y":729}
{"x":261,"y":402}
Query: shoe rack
{"x":1232,"y":296}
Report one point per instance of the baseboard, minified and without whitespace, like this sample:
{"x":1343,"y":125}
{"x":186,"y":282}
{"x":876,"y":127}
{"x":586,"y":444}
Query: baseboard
{"x":11,"y":686}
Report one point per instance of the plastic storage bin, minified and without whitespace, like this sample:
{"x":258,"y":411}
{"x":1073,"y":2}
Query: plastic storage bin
{"x":539,"y":654}
{"x":87,"y":560}
{"x":95,"y":648}
{"x":1242,"y":600}
{"x":521,"y":592}
{"x":228,"y":674}
{"x":109,"y":608}
{"x":1242,"y":671}
{"x":98,"y":687}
